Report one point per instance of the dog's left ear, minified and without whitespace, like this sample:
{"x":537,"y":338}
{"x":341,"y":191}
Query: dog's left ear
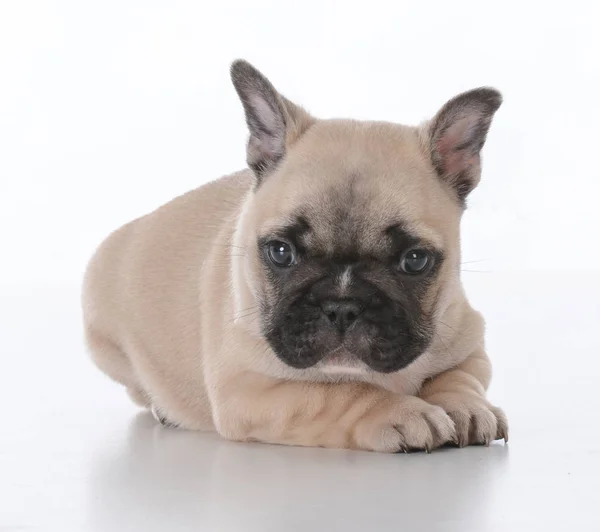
{"x":457,"y":134}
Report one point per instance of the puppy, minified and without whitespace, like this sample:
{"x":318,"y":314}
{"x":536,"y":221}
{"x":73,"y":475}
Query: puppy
{"x":313,"y":299}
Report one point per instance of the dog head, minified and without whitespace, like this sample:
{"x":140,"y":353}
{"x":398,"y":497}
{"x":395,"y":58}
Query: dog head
{"x":351,"y":232}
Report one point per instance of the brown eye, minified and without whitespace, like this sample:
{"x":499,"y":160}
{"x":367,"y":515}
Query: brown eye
{"x":281,"y":254}
{"x":415,"y":261}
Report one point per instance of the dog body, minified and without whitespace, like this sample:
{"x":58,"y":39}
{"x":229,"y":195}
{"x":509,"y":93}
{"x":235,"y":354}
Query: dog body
{"x":314,"y":299}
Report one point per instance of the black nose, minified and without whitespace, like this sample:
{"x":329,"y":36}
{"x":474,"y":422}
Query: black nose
{"x":342,"y":313}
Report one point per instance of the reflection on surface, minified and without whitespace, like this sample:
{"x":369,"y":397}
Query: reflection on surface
{"x":165,"y":479}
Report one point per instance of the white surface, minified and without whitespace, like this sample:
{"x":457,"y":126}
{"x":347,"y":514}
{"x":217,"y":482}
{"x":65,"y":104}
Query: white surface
{"x":75,"y":454}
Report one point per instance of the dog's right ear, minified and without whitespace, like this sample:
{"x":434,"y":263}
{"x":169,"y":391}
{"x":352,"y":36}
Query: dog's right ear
{"x":274,"y":122}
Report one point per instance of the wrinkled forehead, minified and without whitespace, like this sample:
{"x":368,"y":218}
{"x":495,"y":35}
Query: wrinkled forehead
{"x":345,"y":183}
{"x":352,"y":220}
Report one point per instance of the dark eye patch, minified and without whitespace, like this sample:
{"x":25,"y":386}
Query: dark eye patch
{"x":294,"y":233}
{"x":297,"y":231}
{"x":402,"y":241}
{"x":395,"y":241}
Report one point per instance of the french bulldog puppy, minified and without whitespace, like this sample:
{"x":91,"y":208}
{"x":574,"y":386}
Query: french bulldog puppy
{"x":313,"y":299}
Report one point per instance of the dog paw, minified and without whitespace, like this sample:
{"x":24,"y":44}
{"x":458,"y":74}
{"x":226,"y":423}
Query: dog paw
{"x":410,"y":424}
{"x":476,"y":420}
{"x":160,"y":417}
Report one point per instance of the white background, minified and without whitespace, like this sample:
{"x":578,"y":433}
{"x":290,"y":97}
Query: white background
{"x":108,"y":109}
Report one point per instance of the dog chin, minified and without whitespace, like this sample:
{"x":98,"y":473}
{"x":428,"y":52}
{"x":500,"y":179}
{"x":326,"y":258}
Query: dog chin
{"x":342,"y":364}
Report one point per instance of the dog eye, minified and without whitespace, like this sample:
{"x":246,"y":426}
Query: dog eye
{"x":415,"y":261}
{"x":281,"y":254}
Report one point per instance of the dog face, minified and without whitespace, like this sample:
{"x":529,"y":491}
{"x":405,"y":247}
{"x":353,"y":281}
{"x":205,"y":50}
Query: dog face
{"x":351,"y":234}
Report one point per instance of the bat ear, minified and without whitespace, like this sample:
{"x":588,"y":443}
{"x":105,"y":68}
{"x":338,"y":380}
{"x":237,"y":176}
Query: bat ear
{"x":457,"y":134}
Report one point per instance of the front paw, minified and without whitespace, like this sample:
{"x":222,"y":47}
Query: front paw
{"x":406,"y":424}
{"x":476,"y":420}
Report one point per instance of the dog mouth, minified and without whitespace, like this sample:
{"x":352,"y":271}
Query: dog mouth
{"x":351,"y":357}
{"x":363,"y":348}
{"x":364,"y":356}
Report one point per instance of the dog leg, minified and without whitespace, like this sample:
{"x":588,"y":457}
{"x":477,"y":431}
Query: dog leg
{"x":252,"y":407}
{"x":115,"y":363}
